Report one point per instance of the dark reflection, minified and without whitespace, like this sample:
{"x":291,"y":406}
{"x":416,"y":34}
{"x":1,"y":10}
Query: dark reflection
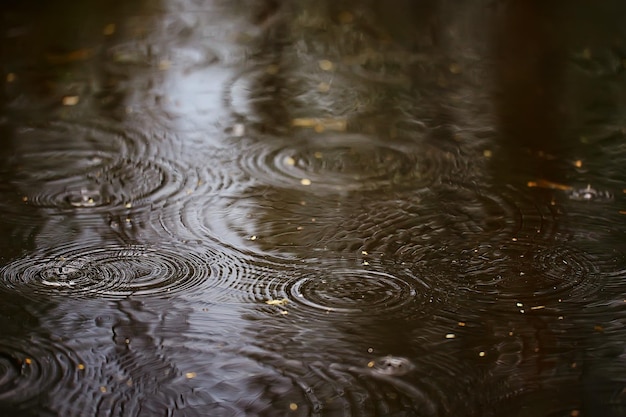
{"x":19,"y":224}
{"x":530,"y":58}
{"x":33,"y":364}
{"x":355,"y":208}
{"x":56,"y":53}
{"x":558,"y":76}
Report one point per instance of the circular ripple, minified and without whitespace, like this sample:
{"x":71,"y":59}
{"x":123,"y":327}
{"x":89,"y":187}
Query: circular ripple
{"x":274,"y":223}
{"x":345,"y":386}
{"x":69,"y":167}
{"x":342,"y":163}
{"x":498,"y":356}
{"x":32,"y":370}
{"x":123,"y":184}
{"x":406,"y":226}
{"x":536,"y":274}
{"x":55,"y":149}
{"x":117,"y":271}
{"x":417,"y":228}
{"x":350,"y":292}
{"x":353,"y":292}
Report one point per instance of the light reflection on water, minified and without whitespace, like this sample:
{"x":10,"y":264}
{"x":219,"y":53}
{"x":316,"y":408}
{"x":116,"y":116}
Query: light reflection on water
{"x":316,"y":209}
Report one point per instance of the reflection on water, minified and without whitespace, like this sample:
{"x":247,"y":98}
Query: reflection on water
{"x":306,"y":208}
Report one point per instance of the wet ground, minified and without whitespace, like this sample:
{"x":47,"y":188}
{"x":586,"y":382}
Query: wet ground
{"x":312,"y":208}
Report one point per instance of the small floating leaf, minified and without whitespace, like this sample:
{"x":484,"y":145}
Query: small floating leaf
{"x":280,"y":302}
{"x":70,"y":100}
{"x":326,"y":65}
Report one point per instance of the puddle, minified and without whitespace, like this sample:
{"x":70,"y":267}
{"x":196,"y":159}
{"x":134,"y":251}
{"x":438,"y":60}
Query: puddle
{"x":312,"y":208}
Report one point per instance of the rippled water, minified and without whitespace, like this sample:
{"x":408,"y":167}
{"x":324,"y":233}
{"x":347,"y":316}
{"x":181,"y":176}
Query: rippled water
{"x":265,"y":208}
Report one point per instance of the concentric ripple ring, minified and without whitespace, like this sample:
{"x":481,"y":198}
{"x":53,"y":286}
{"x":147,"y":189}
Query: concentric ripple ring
{"x":34,"y":368}
{"x":341,"y":163}
{"x":352,"y":292}
{"x":111,"y":271}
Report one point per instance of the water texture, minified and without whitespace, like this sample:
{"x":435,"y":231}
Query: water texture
{"x":312,"y":208}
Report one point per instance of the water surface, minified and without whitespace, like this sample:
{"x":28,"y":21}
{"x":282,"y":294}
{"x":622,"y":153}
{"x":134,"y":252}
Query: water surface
{"x":265,"y":208}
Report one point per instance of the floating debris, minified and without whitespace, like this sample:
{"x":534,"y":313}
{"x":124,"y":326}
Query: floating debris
{"x":323,"y":87}
{"x":164,"y":64}
{"x":548,"y":184}
{"x":455,"y":68}
{"x":239,"y":130}
{"x":72,"y":56}
{"x":109,"y":29}
{"x":280,"y":302}
{"x":345,"y":17}
{"x":326,"y":65}
{"x":70,"y":100}
{"x":272,"y":69}
{"x":339,"y":124}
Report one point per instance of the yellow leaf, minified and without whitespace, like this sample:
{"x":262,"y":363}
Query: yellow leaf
{"x":281,"y":302}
